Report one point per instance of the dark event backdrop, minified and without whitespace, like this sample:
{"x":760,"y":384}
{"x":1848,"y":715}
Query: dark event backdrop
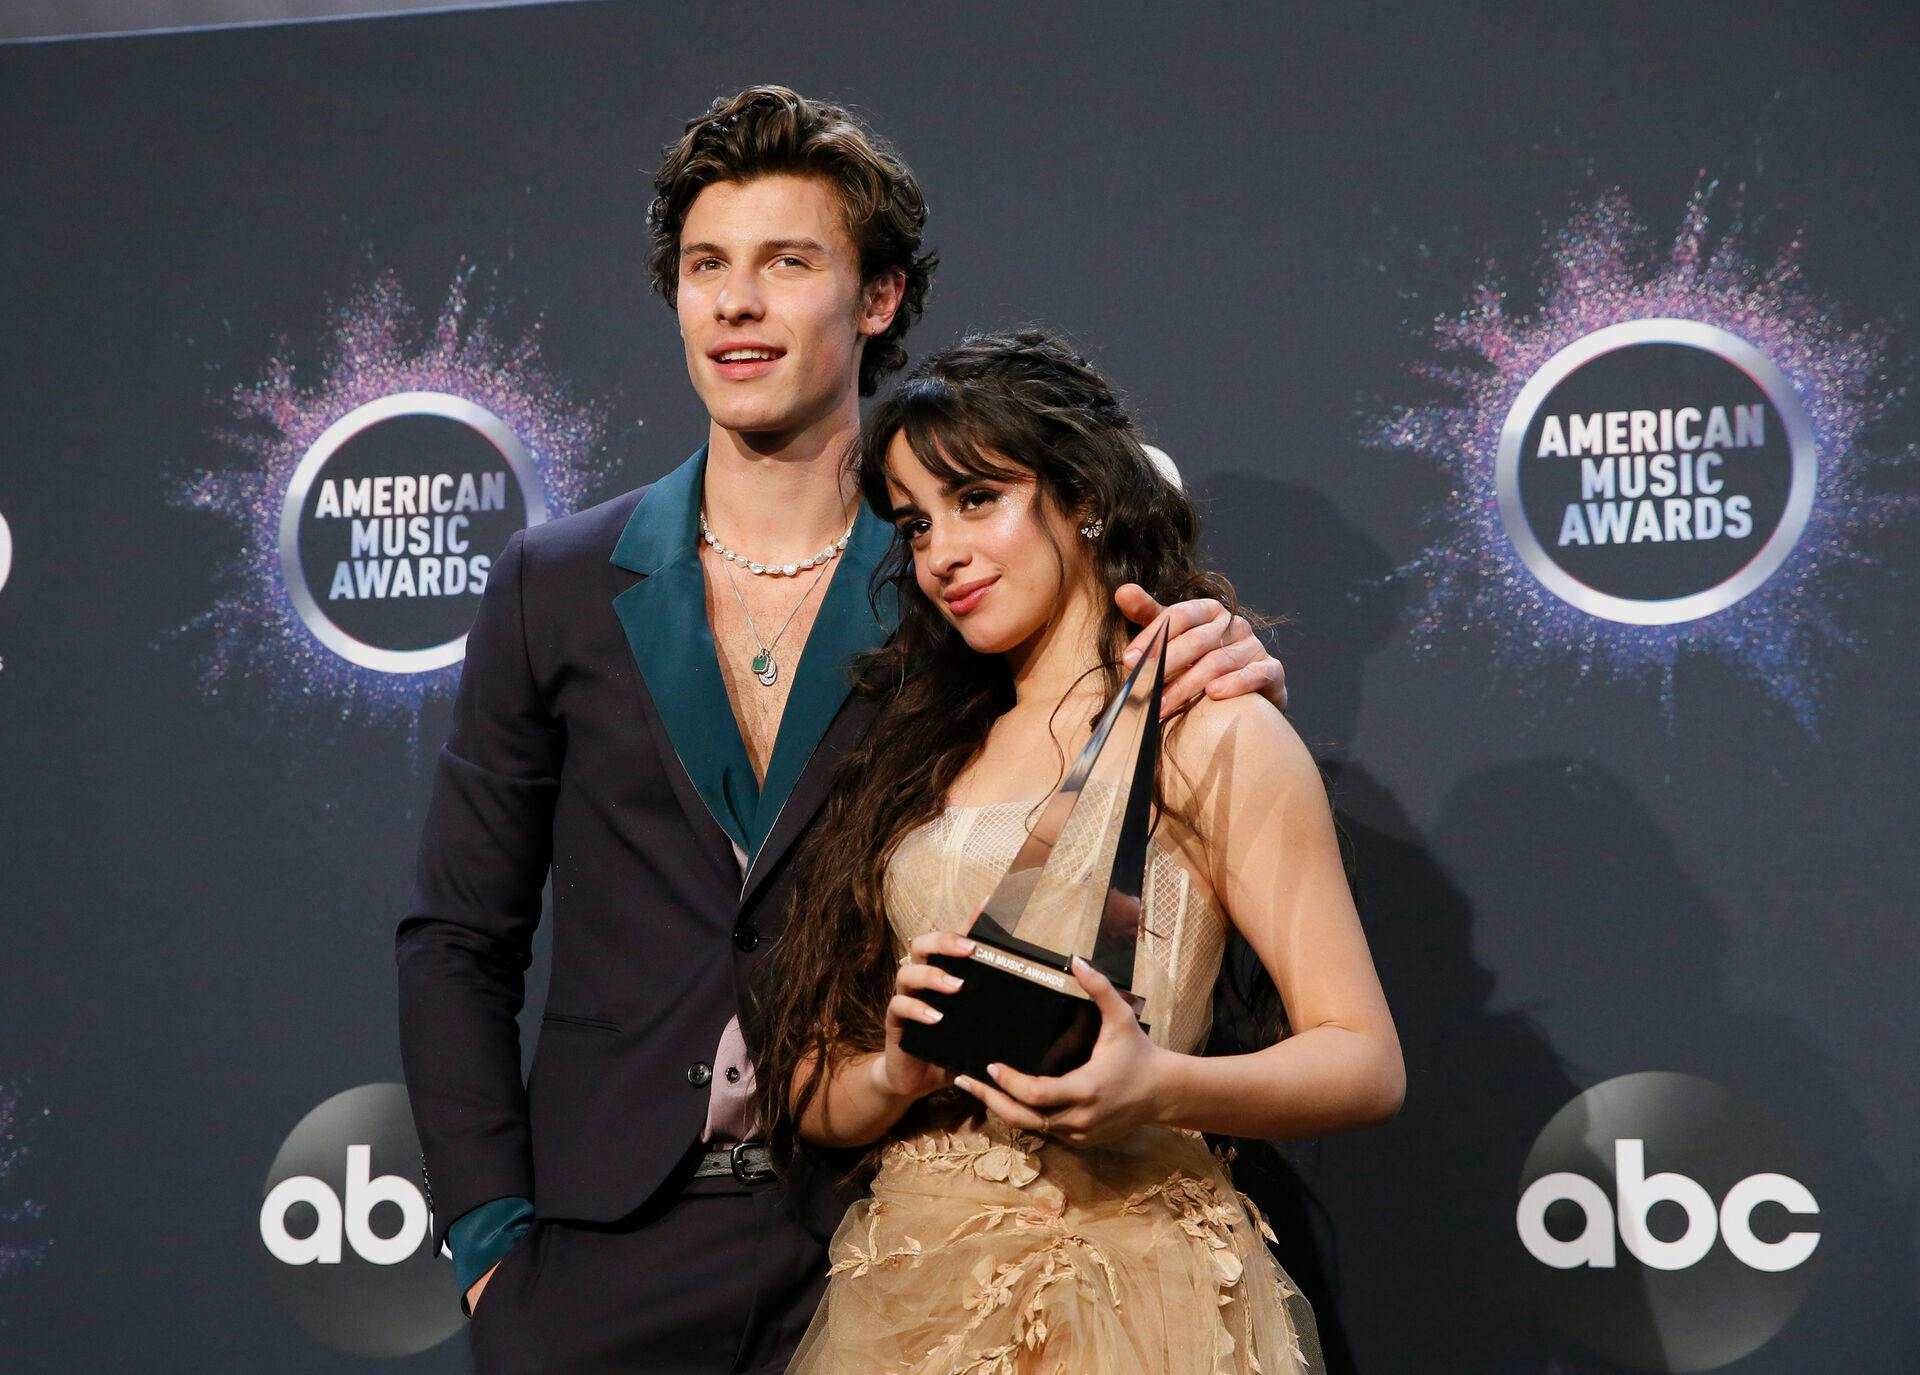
{"x":1253,"y":216}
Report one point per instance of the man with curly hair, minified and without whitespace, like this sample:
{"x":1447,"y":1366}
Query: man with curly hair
{"x":654,"y":698}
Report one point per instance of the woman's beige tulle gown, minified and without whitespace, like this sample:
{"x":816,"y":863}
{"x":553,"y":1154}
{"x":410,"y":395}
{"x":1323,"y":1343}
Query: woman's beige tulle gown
{"x":993,"y":1251}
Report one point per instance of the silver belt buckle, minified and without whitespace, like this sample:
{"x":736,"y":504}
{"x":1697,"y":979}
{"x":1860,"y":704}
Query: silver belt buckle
{"x":747,"y":1173}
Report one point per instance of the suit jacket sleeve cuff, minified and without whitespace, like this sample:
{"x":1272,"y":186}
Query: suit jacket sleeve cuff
{"x":481,"y":1236}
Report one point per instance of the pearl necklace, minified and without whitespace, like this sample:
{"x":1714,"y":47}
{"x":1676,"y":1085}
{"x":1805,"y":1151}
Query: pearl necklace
{"x":776,"y":570}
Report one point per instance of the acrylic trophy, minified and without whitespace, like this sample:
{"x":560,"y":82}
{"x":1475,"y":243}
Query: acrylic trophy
{"x":1021,"y":1004}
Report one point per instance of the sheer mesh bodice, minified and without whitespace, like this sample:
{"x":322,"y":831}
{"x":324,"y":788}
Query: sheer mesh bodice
{"x":943,"y":871}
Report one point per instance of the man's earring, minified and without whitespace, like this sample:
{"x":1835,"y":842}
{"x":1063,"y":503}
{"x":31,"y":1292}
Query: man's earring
{"x":1092,"y":529}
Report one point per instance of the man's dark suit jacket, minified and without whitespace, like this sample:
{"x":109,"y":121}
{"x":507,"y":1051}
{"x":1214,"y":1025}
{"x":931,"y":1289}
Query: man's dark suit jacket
{"x":593,"y":737}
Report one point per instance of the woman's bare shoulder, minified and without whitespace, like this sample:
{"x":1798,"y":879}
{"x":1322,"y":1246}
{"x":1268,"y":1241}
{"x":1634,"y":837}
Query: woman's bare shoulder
{"x":1221,"y":749}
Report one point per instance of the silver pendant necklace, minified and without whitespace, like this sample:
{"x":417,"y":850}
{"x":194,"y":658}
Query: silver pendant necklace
{"x":765,"y":667}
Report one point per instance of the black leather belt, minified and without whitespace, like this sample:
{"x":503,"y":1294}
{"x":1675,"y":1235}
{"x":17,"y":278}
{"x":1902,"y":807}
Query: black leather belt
{"x":750,"y":1162}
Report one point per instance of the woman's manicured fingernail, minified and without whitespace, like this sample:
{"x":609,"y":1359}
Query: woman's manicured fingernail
{"x":995,"y":1071}
{"x":963,"y":1083}
{"x":952,"y":984}
{"x":932,"y":1015}
{"x":968,"y":944}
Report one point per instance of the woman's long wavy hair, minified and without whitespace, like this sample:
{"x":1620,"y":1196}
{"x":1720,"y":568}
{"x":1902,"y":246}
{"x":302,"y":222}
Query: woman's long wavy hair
{"x":994,"y":407}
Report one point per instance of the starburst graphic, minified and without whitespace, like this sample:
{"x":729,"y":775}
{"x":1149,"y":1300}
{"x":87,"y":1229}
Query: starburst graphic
{"x":16,"y":1254}
{"x":377,"y":348}
{"x":1604,"y":268}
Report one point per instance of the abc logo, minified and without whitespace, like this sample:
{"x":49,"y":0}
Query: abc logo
{"x":351,"y":1219}
{"x":347,"y":1233}
{"x":1669,"y":1223}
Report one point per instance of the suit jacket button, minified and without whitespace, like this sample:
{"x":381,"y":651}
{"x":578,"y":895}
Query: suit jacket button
{"x":746,"y":937}
{"x":699,"y":1073}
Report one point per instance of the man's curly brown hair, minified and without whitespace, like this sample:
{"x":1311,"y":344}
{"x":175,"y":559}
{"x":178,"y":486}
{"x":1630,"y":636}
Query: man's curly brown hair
{"x":769,"y":130}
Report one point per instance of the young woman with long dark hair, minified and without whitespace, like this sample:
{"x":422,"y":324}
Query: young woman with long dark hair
{"x":1077,"y":1223}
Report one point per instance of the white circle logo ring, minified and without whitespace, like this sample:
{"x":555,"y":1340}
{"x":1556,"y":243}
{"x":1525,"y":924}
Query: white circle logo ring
{"x":456,"y":408}
{"x":1731,"y":349}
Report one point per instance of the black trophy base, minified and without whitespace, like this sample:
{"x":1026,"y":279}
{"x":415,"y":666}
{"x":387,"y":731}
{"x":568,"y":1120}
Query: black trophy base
{"x":1021,"y":1008}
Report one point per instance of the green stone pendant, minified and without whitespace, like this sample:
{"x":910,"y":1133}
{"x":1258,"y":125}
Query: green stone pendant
{"x":765,"y":669}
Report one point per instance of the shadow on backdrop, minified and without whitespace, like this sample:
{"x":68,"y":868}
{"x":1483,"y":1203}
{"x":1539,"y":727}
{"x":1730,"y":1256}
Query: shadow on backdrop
{"x":1555,"y":873}
{"x":1597,"y":925}
{"x":1402,"y":1237}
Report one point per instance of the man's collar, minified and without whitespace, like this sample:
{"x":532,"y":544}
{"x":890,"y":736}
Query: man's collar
{"x":664,"y":617}
{"x":666,"y":524}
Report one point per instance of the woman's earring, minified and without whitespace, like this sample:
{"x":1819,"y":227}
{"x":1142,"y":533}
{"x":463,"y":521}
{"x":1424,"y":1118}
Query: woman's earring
{"x":1092,"y":529}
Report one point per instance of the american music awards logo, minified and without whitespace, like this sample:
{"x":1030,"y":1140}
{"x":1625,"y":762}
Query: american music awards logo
{"x":388,"y":528}
{"x":372,"y":501}
{"x":1663,"y":512}
{"x":1666,"y":456}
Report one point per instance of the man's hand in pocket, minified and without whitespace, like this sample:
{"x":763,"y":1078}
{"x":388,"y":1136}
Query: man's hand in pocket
{"x":473,"y":1294}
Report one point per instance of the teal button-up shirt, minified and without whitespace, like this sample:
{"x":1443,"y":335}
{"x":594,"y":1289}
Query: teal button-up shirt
{"x":665,"y":618}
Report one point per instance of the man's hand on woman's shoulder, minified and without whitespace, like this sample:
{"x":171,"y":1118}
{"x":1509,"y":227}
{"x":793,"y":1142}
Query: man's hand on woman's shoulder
{"x":1208,"y":650}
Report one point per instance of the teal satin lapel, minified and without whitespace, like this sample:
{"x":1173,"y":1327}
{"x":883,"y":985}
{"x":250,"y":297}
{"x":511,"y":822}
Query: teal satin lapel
{"x":665,"y":618}
{"x":846,"y":626}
